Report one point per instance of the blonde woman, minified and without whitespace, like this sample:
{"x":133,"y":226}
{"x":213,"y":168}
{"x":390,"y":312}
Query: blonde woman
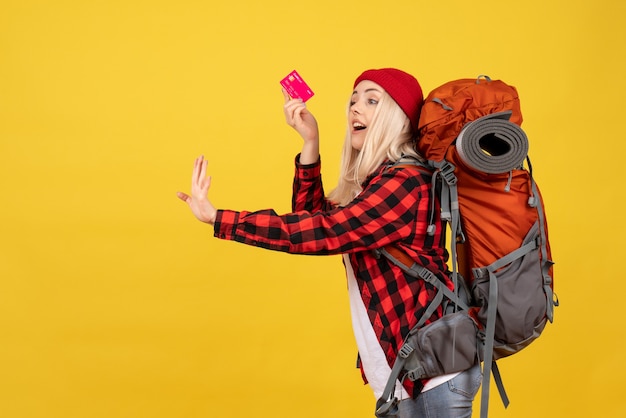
{"x":372,"y":207}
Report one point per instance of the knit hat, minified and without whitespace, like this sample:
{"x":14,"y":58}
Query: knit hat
{"x":402,"y":87}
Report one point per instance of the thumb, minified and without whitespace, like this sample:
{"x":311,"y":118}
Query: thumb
{"x":183,"y":196}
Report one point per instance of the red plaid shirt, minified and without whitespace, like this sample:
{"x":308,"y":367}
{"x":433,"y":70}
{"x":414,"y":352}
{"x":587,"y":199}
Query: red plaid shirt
{"x":393,"y":208}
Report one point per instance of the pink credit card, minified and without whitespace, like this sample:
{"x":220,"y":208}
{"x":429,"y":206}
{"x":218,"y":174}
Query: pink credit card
{"x":296,"y":87}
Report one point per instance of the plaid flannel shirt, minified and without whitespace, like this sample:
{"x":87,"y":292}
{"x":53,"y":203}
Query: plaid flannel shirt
{"x":393,"y":208}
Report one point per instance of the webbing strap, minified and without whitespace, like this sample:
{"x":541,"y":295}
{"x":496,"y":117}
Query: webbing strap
{"x":416,"y":270}
{"x":505,"y":260}
{"x":498,"y":379}
{"x":387,"y":402}
{"x":551,"y":298}
{"x":449,"y":201}
{"x":403,"y":353}
{"x":450,"y":206}
{"x":492,"y":309}
{"x":489,"y":337}
{"x":430,"y":310}
{"x":440,"y":102}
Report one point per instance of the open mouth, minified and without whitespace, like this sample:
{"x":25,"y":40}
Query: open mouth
{"x":358,"y":126}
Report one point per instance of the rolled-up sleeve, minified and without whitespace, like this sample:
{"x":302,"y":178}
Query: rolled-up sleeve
{"x":308,"y":189}
{"x":385,"y":212}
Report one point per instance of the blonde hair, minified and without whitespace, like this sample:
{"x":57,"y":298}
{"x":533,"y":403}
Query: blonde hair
{"x":389,"y":137}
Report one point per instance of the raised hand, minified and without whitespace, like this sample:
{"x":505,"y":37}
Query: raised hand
{"x":303,"y":121}
{"x":198,"y":201}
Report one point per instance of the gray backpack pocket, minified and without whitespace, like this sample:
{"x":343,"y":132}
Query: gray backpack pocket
{"x":444,"y":346}
{"x":520,"y":297}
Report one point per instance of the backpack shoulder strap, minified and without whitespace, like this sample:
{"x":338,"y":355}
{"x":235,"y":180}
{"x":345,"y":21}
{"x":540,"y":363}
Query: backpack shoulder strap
{"x":402,"y":260}
{"x":411,"y":162}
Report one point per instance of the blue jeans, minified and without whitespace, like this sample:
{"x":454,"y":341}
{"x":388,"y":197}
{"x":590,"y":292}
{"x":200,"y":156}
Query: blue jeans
{"x":452,"y":399}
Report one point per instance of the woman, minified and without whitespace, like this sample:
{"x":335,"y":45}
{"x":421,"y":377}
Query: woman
{"x":373,"y":206}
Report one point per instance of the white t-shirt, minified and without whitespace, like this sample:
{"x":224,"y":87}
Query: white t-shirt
{"x":373,"y":359}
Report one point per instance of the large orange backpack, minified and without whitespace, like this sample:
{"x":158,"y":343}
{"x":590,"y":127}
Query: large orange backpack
{"x":469,"y":131}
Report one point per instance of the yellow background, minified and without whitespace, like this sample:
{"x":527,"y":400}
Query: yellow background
{"x":116,"y":303}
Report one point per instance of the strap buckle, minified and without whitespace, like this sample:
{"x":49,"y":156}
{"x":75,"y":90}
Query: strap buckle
{"x":446,"y":171}
{"x":405,"y":351}
{"x":390,"y":407}
{"x":416,"y":374}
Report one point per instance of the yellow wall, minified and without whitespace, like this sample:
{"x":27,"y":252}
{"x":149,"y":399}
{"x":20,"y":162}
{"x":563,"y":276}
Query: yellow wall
{"x":115,"y":302}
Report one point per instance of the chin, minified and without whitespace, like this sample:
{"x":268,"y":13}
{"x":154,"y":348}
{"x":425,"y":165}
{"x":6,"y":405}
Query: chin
{"x":357,"y":142}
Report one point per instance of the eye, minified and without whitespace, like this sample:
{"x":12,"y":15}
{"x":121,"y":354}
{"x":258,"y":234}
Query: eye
{"x":352,"y":103}
{"x":372,"y":101}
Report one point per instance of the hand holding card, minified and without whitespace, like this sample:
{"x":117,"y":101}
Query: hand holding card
{"x":295,"y":86}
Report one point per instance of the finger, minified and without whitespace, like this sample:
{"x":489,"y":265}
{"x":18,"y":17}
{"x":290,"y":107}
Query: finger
{"x":298,"y":111}
{"x":207,"y":184}
{"x":196,"y":170}
{"x":294,"y":103}
{"x":182,"y":196}
{"x":286,"y":95}
{"x":293,"y":108}
{"x":203,"y":169}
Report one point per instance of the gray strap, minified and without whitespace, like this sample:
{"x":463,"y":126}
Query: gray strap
{"x":449,"y":201}
{"x":492,"y":309}
{"x":387,"y":402}
{"x":433,"y":197}
{"x":455,"y":225}
{"x":439,"y":101}
{"x":489,"y":337}
{"x":420,"y":271}
{"x":450,"y":210}
{"x":446,"y":212}
{"x":431,"y":278}
{"x":498,"y":379}
{"x":480,"y":272}
{"x":552,"y":301}
{"x":430,"y":310}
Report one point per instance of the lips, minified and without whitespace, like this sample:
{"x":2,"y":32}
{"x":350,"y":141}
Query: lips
{"x":358,"y":126}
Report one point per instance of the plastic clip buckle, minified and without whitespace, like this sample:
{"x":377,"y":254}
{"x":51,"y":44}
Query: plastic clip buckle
{"x":387,"y":408}
{"x":405,"y":351}
{"x":447,"y":173}
{"x":416,"y":374}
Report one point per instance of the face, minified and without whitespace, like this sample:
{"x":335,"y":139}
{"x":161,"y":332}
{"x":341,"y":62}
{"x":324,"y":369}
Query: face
{"x":363,"y":103}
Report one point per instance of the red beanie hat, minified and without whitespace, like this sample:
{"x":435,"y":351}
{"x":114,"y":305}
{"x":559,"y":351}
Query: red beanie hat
{"x":402,"y":87}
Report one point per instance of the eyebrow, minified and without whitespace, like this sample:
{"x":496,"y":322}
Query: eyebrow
{"x":367,"y":91}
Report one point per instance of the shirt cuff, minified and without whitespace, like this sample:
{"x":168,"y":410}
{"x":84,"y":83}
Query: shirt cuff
{"x":308,"y":172}
{"x":225,"y":225}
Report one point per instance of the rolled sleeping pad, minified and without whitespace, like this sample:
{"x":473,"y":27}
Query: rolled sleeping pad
{"x":492,"y":144}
